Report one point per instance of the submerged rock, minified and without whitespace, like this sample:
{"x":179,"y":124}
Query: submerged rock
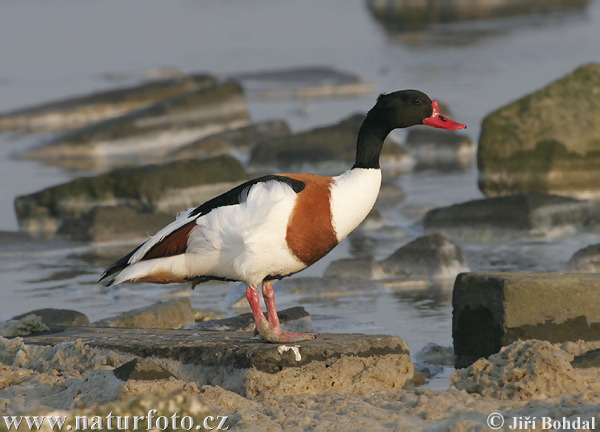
{"x":113,"y":223}
{"x":327,"y":147}
{"x":167,"y":188}
{"x":492,"y":310}
{"x":590,"y":359}
{"x":513,"y":216}
{"x":432,"y":148}
{"x":548,"y":141}
{"x":230,"y":141}
{"x":294,"y":319}
{"x":82,"y":110}
{"x":410,"y":16}
{"x":355,"y":268}
{"x":303,"y":82}
{"x":169,"y":314}
{"x":58,"y":317}
{"x":148,"y":133}
{"x":586,"y":260}
{"x":429,"y":257}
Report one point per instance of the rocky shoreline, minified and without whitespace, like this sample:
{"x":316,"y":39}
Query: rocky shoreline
{"x":525,"y":344}
{"x":350,"y":381}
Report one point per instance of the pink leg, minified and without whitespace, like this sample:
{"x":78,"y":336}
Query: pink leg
{"x":269,"y":297}
{"x":260,"y":321}
{"x":270,"y":330}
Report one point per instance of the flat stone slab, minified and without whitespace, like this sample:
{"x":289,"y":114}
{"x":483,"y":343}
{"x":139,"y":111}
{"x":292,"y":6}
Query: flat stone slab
{"x":162,"y":188}
{"x":239,"y":362}
{"x":512,"y":217}
{"x":79,"y":111}
{"x":147,"y":134}
{"x":492,"y":310}
{"x":168,"y":314}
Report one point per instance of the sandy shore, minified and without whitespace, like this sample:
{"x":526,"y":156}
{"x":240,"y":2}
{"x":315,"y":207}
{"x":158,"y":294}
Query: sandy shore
{"x":526,"y":381}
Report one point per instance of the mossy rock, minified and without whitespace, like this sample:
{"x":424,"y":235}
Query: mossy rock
{"x":151,"y":188}
{"x":326,"y":144}
{"x":432,"y":256}
{"x":548,"y":141}
{"x":153,"y":130}
{"x":513,"y":216}
{"x":78,"y":111}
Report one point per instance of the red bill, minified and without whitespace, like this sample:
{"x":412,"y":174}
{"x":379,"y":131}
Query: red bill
{"x":438,"y":120}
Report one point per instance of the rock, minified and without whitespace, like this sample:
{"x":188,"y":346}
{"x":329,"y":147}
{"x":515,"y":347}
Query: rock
{"x":355,"y":268}
{"x":590,"y":359}
{"x":207,"y":315}
{"x":402,"y":16}
{"x":430,"y":257}
{"x":432,"y":148}
{"x":373,"y":221}
{"x":169,"y":314}
{"x":141,"y":370}
{"x":332,"y":363}
{"x":303,"y":82}
{"x":390,"y":194}
{"x":58,"y":317}
{"x":295,"y":319}
{"x":323,"y":148}
{"x":524,"y":370}
{"x":432,"y":360}
{"x":118,"y":223}
{"x":492,"y":310}
{"x":22,"y":326}
{"x":167,"y":188}
{"x":81,"y":110}
{"x":512,"y":217}
{"x":150,"y":133}
{"x":548,"y":141}
{"x":436,"y":354}
{"x":586,"y":260}
{"x":23,"y":242}
{"x":75,"y":376}
{"x":229,"y":141}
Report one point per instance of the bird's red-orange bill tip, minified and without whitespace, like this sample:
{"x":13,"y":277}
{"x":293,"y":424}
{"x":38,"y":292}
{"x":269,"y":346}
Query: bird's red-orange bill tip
{"x":439,"y":120}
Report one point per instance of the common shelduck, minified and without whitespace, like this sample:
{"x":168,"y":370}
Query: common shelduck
{"x":276,"y":225}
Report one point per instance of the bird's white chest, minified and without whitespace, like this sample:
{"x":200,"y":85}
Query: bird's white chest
{"x":353,"y":195}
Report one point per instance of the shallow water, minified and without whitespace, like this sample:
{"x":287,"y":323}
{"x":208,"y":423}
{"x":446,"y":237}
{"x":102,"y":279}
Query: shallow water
{"x":473,"y":67}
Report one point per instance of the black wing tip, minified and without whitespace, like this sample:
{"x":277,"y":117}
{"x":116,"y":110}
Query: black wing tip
{"x":117,"y":266}
{"x":109,"y":271}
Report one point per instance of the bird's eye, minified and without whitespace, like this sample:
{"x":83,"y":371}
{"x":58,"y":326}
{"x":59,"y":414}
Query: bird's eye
{"x":417,"y":101}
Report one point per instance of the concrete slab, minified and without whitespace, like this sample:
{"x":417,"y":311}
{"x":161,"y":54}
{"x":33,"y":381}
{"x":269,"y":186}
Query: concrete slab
{"x":346,"y":363}
{"x":492,"y":310}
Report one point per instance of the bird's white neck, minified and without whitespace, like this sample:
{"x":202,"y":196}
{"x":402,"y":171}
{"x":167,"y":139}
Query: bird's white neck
{"x":353,"y":195}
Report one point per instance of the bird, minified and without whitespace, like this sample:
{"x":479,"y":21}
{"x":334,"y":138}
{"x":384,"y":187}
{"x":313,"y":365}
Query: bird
{"x":276,"y":225}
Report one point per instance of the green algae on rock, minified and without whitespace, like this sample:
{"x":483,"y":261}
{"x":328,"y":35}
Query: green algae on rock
{"x":170,"y":187}
{"x":491,"y":310}
{"x":79,"y":111}
{"x":511,"y":217}
{"x":324,"y":148}
{"x":548,"y":141}
{"x":150,"y":132}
